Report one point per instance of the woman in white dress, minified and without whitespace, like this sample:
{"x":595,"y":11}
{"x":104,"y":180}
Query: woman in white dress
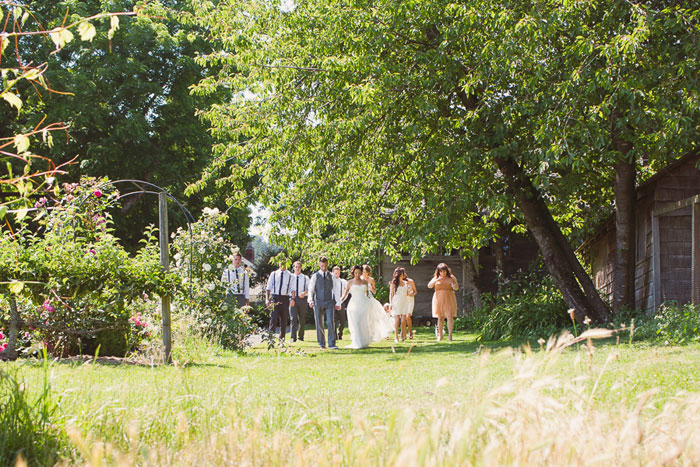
{"x":367,"y":320}
{"x":367,"y":276}
{"x":399,"y":298}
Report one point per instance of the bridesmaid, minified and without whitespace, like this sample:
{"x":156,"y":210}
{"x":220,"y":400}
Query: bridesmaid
{"x":444,"y":299}
{"x":367,"y":276}
{"x":398,"y":296}
{"x":412,"y":292}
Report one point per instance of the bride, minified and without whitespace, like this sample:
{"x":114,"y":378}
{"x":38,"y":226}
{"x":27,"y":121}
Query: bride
{"x":367,"y":320}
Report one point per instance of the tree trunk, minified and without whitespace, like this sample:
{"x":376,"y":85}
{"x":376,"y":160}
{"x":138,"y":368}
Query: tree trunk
{"x":471,"y":281}
{"x":10,"y":353}
{"x":569,"y":276}
{"x":500,"y":259}
{"x":625,"y":242}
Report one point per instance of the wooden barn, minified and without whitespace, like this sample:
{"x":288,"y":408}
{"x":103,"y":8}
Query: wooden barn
{"x":511,"y":253}
{"x":667,"y":228}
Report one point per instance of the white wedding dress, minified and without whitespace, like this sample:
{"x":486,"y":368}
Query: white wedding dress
{"x":367,"y":320}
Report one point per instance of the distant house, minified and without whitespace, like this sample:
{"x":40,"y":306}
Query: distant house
{"x":511,"y":253}
{"x":667,"y":239}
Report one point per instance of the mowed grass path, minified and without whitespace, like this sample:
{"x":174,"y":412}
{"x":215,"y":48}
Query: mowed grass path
{"x":313,"y":395}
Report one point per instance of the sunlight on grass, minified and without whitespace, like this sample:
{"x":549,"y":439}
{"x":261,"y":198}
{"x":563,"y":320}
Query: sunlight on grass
{"x":415,"y":403}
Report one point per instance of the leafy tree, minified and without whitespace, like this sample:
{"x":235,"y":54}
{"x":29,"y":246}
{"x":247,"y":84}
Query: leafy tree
{"x":424,"y":124}
{"x":128,"y":105}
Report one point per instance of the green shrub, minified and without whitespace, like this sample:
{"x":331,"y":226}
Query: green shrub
{"x":530,"y":305}
{"x":678,"y":324}
{"x":199,"y":262}
{"x":72,"y":279}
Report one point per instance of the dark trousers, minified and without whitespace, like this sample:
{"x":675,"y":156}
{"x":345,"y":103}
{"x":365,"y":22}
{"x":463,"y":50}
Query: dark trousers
{"x":298,"y":315}
{"x":341,"y":319}
{"x":279,"y":316}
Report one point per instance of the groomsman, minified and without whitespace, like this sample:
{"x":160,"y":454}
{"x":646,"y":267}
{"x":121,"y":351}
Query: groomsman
{"x":237,"y":283}
{"x":277,"y":295}
{"x":323,"y":304}
{"x":341,"y":318}
{"x":298,"y":305}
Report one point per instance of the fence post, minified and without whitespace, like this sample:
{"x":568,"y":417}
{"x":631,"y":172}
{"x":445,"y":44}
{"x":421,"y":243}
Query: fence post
{"x":165,"y":263}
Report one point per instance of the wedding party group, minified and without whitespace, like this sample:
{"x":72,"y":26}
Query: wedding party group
{"x":337,"y":302}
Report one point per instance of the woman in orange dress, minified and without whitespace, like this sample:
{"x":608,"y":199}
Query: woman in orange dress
{"x":444,"y":299}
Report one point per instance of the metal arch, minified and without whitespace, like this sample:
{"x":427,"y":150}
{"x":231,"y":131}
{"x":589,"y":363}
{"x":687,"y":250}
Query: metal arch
{"x":184,"y":210}
{"x":188,"y":216}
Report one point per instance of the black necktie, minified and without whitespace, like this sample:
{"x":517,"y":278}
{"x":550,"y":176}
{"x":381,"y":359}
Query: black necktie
{"x":279,"y":289}
{"x":297,"y":285}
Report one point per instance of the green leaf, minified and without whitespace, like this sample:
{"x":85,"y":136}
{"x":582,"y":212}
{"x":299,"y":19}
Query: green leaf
{"x":87,"y":31}
{"x":21,"y":143}
{"x":32,"y":74}
{"x":21,"y":214}
{"x":16,"y":287}
{"x":3,"y":211}
{"x":114,"y":23}
{"x":60,"y":37}
{"x":12,"y":99}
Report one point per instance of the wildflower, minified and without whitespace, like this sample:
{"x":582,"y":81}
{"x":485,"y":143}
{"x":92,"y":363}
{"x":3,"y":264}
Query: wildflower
{"x":202,"y":251}
{"x":540,"y":341}
{"x":42,"y":201}
{"x":206,"y":267}
{"x":2,"y":336}
{"x":218,"y":265}
{"x":3,"y":347}
{"x":47,"y":306}
{"x":571,"y":313}
{"x":587,"y":321}
{"x":97,"y":193}
{"x":92,"y":251}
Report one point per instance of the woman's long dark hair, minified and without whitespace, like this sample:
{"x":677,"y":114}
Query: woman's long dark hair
{"x":352,"y":272}
{"x":396,"y":279}
{"x":442,"y":267}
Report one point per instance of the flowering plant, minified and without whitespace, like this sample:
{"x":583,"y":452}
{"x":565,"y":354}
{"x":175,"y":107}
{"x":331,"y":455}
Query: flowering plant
{"x":70,"y":278}
{"x":200,"y":261}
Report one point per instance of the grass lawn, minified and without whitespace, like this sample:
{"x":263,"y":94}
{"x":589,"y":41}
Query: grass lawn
{"x":417,"y":402}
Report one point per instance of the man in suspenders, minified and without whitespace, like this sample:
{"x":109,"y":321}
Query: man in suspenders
{"x":277,"y":297}
{"x":298,"y":305}
{"x":237,"y":283}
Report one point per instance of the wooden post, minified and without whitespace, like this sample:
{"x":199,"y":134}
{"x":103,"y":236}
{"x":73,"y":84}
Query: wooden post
{"x":656,"y":259}
{"x":695,"y":253}
{"x":165,"y":263}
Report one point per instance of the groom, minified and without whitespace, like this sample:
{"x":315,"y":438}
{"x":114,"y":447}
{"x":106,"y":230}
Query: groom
{"x":322,"y":301}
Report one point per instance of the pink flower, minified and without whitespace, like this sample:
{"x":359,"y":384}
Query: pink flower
{"x":92,"y":251}
{"x":3,"y":346}
{"x":2,"y":336}
{"x":97,"y":193}
{"x":47,"y":306}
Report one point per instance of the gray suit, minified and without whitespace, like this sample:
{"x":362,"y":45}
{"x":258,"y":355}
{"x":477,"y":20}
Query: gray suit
{"x":324,"y":306}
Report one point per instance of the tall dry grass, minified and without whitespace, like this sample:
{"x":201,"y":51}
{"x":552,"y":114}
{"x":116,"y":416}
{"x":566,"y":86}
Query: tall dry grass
{"x":537,"y":417}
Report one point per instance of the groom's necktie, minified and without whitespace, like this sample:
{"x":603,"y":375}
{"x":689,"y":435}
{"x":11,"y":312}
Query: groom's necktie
{"x":297,"y":285}
{"x":279,"y":288}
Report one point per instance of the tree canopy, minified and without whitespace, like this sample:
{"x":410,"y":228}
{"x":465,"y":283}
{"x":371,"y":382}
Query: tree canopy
{"x":421,"y":125}
{"x":127,"y":102}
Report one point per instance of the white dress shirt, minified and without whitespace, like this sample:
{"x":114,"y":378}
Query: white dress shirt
{"x":299,"y":284}
{"x":237,"y":280}
{"x":279,"y":283}
{"x":339,"y":286}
